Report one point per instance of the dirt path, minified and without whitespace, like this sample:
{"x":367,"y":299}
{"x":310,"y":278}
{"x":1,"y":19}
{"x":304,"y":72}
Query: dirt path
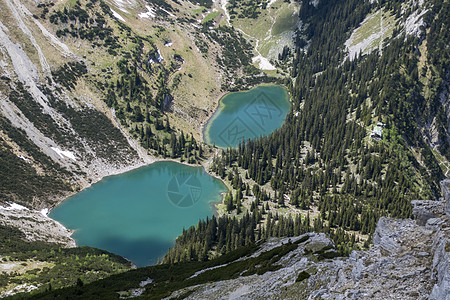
{"x":223,"y":6}
{"x":263,"y":62}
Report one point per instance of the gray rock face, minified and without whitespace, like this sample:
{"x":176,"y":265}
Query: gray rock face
{"x":441,"y":265}
{"x":445,"y":189}
{"x":427,"y":209}
{"x":36,"y":226}
{"x":386,"y":237}
{"x":396,"y":267}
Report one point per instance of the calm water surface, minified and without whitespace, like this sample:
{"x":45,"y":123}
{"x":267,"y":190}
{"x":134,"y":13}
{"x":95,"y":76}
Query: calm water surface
{"x":247,"y":115}
{"x":139,"y":214}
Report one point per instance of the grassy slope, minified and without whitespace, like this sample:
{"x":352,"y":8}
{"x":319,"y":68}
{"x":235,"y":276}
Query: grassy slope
{"x":197,"y":94}
{"x":47,"y":265}
{"x":270,"y":26}
{"x":372,"y":32}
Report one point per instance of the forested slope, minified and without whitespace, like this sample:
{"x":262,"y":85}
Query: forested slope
{"x":325,"y":161}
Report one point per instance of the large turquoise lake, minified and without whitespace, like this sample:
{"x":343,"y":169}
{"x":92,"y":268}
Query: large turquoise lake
{"x":247,"y":115}
{"x":139,"y":214}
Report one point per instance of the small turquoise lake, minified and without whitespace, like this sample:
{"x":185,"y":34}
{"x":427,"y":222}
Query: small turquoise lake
{"x":247,"y":115}
{"x":139,"y":214}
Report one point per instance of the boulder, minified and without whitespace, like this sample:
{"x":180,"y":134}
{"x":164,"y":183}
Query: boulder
{"x":445,"y":189}
{"x":441,"y":266}
{"x":423,"y":210}
{"x":386,"y":236}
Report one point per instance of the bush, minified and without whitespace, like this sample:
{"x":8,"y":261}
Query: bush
{"x":302,"y":276}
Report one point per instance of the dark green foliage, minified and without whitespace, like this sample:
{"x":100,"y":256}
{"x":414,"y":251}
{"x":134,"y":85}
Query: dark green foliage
{"x":34,"y":112}
{"x":302,"y":276}
{"x":236,"y":50}
{"x":325,"y":253}
{"x":68,"y":74}
{"x":216,"y":236}
{"x":168,"y":278}
{"x":302,"y":239}
{"x":437,"y":19}
{"x":285,"y":53}
{"x":73,"y":266}
{"x":327,"y":30}
{"x":224,"y":234}
{"x":162,"y":4}
{"x":338,"y":142}
{"x":246,"y":8}
{"x":236,"y":55}
{"x":329,"y":255}
{"x":86,"y":23}
{"x":263,"y":263}
{"x":19,"y":181}
{"x":96,"y":129}
{"x":205,"y":3}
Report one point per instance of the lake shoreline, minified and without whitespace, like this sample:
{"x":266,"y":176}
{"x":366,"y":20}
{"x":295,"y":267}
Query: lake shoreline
{"x":152,"y":159}
{"x":133,"y":167}
{"x":218,"y":108}
{"x":148,"y":198}
{"x":125,"y":169}
{"x":235,"y":108}
{"x":149,"y":159}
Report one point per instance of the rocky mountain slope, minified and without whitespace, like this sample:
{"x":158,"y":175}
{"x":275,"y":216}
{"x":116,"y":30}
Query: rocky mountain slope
{"x":88,"y":87}
{"x":407,"y":261}
{"x":54,"y":140}
{"x":36,"y":225}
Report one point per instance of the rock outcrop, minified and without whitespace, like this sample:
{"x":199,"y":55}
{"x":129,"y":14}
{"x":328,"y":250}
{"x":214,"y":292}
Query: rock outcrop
{"x":441,"y":251}
{"x":445,"y":188}
{"x":441,"y":265}
{"x":36,"y":225}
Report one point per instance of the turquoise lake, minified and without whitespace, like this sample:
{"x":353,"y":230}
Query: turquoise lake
{"x":247,"y":115}
{"x":139,"y":214}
